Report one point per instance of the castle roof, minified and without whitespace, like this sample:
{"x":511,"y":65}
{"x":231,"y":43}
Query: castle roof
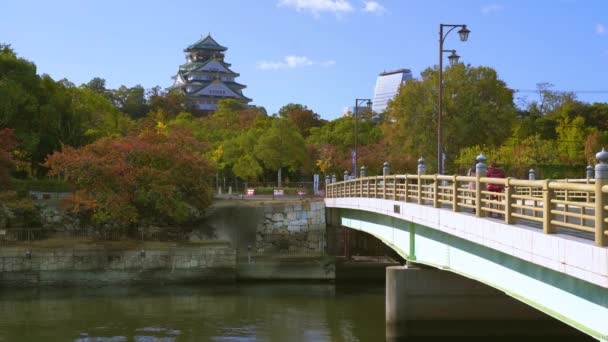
{"x":206,"y":43}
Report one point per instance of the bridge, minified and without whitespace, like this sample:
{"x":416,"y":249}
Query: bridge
{"x":541,"y":242}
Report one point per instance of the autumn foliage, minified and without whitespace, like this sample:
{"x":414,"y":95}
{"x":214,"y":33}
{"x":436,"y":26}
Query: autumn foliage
{"x":151,"y":175}
{"x":8,"y":142}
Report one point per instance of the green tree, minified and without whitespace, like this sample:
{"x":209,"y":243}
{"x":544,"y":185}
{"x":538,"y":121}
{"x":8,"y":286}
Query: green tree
{"x":239,"y":153}
{"x":571,"y":139}
{"x":131,"y":101}
{"x":97,"y":85}
{"x":281,"y":146}
{"x":478,"y":109}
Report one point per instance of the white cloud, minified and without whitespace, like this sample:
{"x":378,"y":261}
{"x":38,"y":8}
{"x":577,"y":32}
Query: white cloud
{"x":316,"y":7}
{"x":328,"y":63}
{"x":600,"y":29}
{"x":292,"y":62}
{"x":491,"y":8}
{"x":374,"y":7}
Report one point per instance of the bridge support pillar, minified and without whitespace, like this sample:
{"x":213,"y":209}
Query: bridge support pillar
{"x":416,"y":296}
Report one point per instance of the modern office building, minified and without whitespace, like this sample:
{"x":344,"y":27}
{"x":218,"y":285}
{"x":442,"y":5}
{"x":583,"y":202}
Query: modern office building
{"x":387,"y":86}
{"x":205,"y":78}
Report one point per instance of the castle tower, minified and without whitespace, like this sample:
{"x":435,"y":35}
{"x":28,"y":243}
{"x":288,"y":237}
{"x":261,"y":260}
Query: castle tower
{"x":205,"y":78}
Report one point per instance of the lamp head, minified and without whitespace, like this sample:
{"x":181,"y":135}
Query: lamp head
{"x":453,"y":58}
{"x":464,"y":33}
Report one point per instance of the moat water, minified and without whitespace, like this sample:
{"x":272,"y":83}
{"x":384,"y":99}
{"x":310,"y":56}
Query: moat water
{"x":225,"y":313}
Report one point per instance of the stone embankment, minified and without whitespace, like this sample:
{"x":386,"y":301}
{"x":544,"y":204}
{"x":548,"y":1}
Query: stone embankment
{"x":292,"y":227}
{"x":99,"y":267}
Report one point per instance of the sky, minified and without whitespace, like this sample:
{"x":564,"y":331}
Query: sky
{"x":320,"y":53}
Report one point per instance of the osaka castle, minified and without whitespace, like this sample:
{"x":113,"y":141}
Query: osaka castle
{"x":205,"y":78}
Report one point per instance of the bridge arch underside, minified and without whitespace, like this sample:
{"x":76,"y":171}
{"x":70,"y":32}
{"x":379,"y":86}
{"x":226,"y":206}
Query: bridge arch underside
{"x":579,"y":303}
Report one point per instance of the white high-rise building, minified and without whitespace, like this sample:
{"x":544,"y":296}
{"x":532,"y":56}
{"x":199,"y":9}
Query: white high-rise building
{"x":387,"y":86}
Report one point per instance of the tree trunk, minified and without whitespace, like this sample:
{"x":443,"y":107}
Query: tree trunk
{"x":279,"y":178}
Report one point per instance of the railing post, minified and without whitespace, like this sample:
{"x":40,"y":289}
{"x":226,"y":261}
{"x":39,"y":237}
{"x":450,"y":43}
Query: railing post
{"x":455,"y":206}
{"x":406,"y":183}
{"x":384,"y":187}
{"x":590,"y":176}
{"x":421,"y":171}
{"x":336,"y":191}
{"x":548,"y":195}
{"x":480,"y":171}
{"x":509,"y":202}
{"x":435,"y":192}
{"x":601,"y":179}
{"x":531,"y":174}
{"x":345,"y":175}
{"x":394,"y":188}
{"x":589,"y":172}
{"x":386,"y":169}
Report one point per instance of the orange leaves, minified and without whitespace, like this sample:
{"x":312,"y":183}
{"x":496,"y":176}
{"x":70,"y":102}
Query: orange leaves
{"x":146,"y":175}
{"x":78,"y":202}
{"x":8,"y":141}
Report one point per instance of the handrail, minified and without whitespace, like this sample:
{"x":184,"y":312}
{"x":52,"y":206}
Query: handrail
{"x":578,"y":204}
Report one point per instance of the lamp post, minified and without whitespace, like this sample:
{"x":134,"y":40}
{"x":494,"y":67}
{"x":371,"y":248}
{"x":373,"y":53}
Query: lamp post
{"x":368,"y":102}
{"x":453,"y":57}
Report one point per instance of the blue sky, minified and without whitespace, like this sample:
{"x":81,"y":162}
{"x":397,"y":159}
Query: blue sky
{"x":321,"y":53}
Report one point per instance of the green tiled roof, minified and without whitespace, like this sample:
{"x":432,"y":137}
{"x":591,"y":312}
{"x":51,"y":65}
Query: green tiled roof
{"x":206,"y":43}
{"x":195,"y":66}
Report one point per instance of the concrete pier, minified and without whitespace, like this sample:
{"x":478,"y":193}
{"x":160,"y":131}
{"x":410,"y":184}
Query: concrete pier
{"x":422,"y":301}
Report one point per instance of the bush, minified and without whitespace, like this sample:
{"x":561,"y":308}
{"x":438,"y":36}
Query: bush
{"x":153,"y":175}
{"x":42,"y":185}
{"x":23,"y":209}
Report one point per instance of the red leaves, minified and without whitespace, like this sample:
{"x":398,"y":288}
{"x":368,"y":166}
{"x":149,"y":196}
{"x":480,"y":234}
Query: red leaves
{"x":8,"y":141}
{"x":143,"y":175}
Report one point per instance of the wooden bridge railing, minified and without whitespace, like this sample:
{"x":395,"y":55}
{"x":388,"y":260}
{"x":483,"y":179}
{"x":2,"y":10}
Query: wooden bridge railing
{"x":575,"y":204}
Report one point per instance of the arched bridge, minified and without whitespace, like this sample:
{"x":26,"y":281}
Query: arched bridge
{"x":541,"y":242}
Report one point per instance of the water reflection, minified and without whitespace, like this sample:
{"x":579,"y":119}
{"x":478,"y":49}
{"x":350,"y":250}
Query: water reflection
{"x":259,"y":312}
{"x":226,"y":313}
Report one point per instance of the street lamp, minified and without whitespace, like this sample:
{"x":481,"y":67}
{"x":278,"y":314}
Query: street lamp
{"x":368,"y":102}
{"x":453,"y":58}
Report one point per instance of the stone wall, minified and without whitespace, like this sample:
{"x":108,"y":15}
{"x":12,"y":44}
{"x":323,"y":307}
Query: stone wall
{"x":100,"y":266}
{"x":297,"y":227}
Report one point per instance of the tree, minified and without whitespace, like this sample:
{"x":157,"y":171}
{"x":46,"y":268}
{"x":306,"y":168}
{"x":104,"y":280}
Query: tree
{"x":571,"y":140}
{"x":594,"y":142}
{"x":8,"y":141}
{"x":281,"y":146}
{"x":148,"y":175}
{"x":478,"y":109}
{"x":172,"y":102}
{"x":239,"y":152}
{"x":97,"y":85}
{"x":131,"y":101}
{"x":301,"y":116}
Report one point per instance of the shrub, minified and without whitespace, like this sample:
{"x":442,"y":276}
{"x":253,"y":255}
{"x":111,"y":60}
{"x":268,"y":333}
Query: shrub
{"x":43,"y":185}
{"x":151,"y":175}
